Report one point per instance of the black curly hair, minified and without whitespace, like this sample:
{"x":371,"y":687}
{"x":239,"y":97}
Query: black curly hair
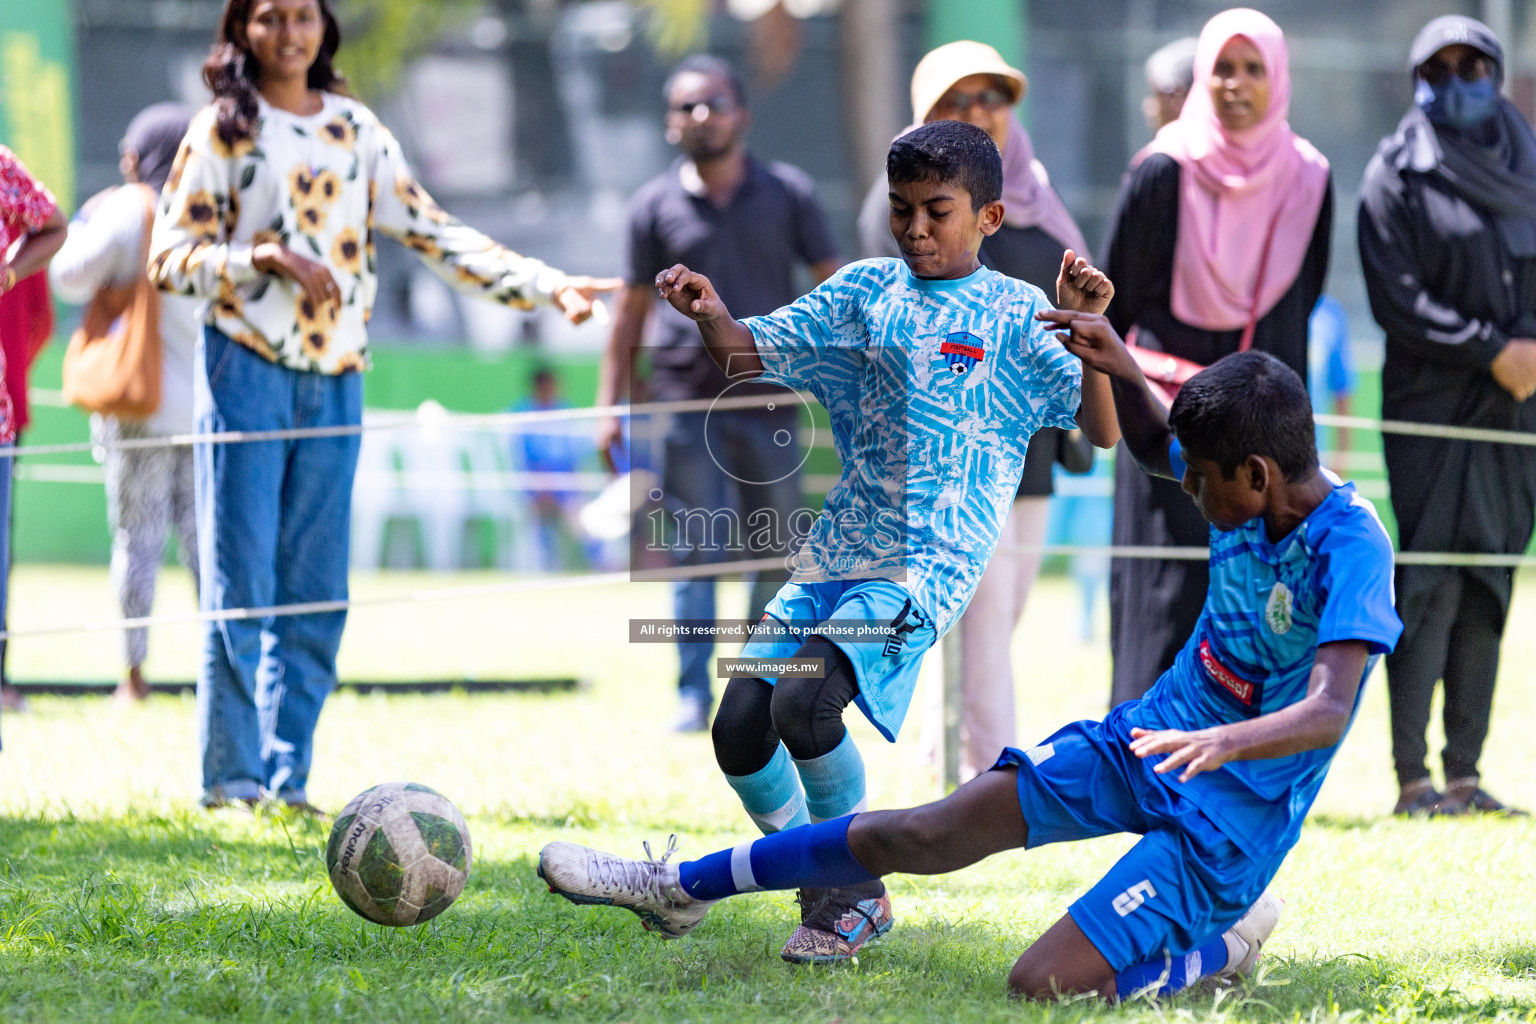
{"x":949,"y":151}
{"x":232,"y":74}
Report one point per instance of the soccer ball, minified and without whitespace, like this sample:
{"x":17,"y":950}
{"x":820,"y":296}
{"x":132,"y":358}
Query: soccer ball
{"x":398,"y":854}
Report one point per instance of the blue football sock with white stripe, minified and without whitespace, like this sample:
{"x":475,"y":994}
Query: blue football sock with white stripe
{"x":834,"y":782}
{"x":1168,"y":974}
{"x":815,"y":856}
{"x":772,"y":796}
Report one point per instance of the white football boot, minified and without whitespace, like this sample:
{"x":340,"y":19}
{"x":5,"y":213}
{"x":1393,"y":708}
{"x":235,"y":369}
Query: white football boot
{"x":1246,"y":938}
{"x":648,"y":887}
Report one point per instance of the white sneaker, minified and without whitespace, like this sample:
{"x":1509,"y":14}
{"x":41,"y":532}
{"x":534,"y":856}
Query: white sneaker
{"x":648,"y":887}
{"x":1246,"y":938}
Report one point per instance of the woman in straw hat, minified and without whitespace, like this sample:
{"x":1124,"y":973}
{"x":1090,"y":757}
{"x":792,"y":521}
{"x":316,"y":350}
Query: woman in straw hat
{"x":969,"y":81}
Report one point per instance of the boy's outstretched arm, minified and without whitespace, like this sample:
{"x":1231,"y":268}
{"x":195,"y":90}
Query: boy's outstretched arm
{"x":729,"y":342}
{"x":1317,"y":720}
{"x":1142,"y":422}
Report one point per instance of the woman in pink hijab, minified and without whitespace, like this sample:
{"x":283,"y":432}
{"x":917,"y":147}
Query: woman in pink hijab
{"x":1219,"y":242}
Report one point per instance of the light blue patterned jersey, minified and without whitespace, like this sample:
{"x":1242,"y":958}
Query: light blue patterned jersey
{"x":1268,"y":609}
{"x":933,"y":388}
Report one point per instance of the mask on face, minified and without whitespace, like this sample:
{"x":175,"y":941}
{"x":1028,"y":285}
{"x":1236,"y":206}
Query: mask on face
{"x":1457,"y":105}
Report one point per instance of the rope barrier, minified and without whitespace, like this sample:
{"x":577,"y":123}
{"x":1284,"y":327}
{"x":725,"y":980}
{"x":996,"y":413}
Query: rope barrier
{"x":396,"y":420}
{"x":667,"y":575}
{"x":412,"y":597}
{"x":1450,"y":559}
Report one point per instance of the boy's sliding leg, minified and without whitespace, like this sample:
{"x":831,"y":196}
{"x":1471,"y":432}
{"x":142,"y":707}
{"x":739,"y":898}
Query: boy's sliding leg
{"x":979,"y":819}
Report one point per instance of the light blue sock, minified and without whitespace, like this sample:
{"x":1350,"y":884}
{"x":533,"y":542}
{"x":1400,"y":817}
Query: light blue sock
{"x":834,"y":783}
{"x":772,"y":796}
{"x":1167,"y":974}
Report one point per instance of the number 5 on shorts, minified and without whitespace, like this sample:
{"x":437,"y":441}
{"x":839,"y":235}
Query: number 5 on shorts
{"x":1134,"y":897}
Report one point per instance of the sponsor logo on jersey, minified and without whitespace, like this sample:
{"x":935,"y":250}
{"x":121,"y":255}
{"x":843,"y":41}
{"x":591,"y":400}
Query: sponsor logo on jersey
{"x":1277,"y":612}
{"x":962,"y":351}
{"x":1233,"y":683}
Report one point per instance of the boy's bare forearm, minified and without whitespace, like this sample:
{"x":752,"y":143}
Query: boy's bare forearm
{"x":1316,"y":721}
{"x":1096,"y":415}
{"x":1143,"y":424}
{"x":731,"y":345}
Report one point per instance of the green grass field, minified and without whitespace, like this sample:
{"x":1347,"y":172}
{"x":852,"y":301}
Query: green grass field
{"x":120,"y":901}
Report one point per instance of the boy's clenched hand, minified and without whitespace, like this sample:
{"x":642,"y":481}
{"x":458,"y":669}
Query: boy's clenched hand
{"x":1081,"y":286}
{"x":690,"y":294}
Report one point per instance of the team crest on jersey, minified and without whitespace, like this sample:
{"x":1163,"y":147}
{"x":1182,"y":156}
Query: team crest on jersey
{"x":962,"y":350}
{"x":1277,"y":612}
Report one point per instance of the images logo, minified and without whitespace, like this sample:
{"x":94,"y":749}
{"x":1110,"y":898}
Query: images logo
{"x":962,"y":351}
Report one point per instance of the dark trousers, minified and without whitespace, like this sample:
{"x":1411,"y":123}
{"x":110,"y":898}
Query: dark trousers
{"x":1456,"y":638}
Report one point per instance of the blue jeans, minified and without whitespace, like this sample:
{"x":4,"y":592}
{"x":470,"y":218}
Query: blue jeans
{"x":745,"y":454}
{"x":274,"y":523}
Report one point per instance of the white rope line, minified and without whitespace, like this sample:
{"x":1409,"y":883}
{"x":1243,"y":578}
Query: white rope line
{"x":410,"y":597}
{"x":504,"y":420}
{"x":667,"y":575}
{"x":397,"y":421}
{"x":1440,"y":430}
{"x":1452,"y":559}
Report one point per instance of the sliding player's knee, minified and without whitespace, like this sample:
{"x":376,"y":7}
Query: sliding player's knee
{"x":1040,"y":977}
{"x":1032,"y":979}
{"x":808,"y":713}
{"x":743,"y":730}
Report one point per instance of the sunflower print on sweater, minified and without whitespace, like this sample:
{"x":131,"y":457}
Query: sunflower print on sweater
{"x":324,"y":187}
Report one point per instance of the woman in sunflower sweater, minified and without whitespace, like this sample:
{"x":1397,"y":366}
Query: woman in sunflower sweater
{"x":270,"y":214}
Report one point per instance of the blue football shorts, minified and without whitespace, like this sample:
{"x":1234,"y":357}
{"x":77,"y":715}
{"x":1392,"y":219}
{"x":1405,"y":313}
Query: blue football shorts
{"x":886,"y":656}
{"x":1182,"y":884}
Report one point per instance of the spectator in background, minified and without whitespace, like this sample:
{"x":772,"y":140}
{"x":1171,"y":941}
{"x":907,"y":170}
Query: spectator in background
{"x":28,"y":216}
{"x":1170,"y":72}
{"x":270,"y":216}
{"x":969,"y":81}
{"x":1219,"y":241}
{"x":746,"y":225}
{"x":1447,"y":232}
{"x":149,"y":489}
{"x":548,"y":448}
{"x":1332,"y":369}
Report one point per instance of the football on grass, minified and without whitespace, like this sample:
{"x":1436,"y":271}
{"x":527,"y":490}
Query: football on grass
{"x":399,"y":854}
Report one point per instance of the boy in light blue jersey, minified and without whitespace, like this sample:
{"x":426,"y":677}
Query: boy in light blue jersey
{"x":935,"y":373}
{"x":1215,"y":767}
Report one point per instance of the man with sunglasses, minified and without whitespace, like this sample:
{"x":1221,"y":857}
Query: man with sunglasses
{"x":1447,"y":232}
{"x":748,"y":225}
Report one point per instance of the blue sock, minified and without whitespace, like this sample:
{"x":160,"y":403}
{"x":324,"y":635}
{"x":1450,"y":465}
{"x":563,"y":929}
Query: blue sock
{"x":834,"y":783}
{"x":816,"y":856}
{"x":772,"y":795}
{"x":1168,"y":974}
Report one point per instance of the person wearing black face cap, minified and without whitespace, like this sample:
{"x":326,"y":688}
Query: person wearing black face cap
{"x":1447,"y":234}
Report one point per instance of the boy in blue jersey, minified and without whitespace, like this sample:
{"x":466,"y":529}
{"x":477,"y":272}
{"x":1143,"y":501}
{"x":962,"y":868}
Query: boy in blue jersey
{"x":1215,"y":767}
{"x":935,"y":374}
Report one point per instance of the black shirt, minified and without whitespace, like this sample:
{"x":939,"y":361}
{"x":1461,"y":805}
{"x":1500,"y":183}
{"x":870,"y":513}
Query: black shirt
{"x":747,"y":248}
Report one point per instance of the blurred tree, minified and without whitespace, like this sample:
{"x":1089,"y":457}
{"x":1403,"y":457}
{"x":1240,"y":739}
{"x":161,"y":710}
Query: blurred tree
{"x":383,"y":35}
{"x":677,"y":26}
